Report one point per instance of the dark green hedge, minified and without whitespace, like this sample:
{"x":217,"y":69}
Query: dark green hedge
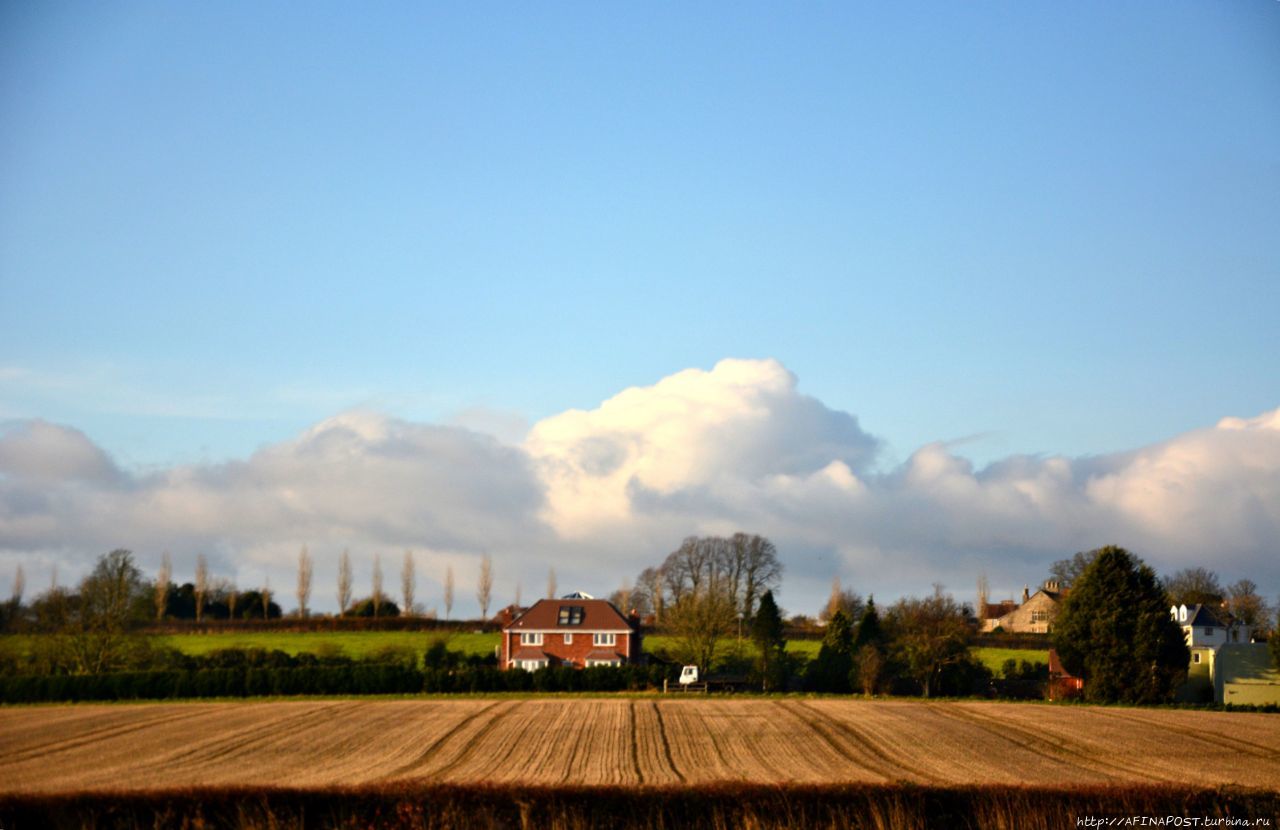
{"x":354,"y":679}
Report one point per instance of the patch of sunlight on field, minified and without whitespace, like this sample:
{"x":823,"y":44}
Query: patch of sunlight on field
{"x":993,"y":658}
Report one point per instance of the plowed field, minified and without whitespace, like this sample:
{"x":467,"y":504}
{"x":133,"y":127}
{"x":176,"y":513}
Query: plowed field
{"x":626,"y":741}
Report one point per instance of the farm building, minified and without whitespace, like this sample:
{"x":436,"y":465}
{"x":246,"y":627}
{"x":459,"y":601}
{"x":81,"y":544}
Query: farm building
{"x":1034,"y":615}
{"x":1062,"y":684}
{"x":577,"y":630}
{"x":1237,"y":673}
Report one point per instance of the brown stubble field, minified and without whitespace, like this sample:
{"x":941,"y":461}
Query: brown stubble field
{"x":628,"y":742}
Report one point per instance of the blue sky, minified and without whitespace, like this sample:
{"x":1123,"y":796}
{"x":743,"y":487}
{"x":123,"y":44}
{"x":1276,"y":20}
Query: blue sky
{"x":1043,"y":228}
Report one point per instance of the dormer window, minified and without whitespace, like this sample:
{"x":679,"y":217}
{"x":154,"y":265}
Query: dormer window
{"x":571,"y":615}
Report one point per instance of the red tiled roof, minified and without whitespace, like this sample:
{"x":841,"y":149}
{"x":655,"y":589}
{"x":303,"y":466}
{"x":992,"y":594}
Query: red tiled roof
{"x":604,"y":654}
{"x":996,"y":610}
{"x":528,"y":653}
{"x":597,"y":615}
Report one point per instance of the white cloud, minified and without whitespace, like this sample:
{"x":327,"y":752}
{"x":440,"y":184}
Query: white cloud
{"x":599,"y":494}
{"x":741,"y":421}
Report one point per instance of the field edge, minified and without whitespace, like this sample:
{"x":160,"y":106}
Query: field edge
{"x":432,"y":805}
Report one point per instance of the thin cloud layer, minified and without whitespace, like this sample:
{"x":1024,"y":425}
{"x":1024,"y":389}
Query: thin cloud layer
{"x":600,"y":494}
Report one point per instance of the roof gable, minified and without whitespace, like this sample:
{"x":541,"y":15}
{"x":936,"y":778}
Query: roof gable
{"x":1203,"y":615}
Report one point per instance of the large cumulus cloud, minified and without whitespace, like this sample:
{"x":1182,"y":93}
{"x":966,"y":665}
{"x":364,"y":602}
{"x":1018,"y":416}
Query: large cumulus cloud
{"x":599,"y":494}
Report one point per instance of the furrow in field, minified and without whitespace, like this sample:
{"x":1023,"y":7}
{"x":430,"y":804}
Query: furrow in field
{"x":421,"y":764}
{"x":549,"y":725}
{"x":1158,"y":746}
{"x":863,"y":731}
{"x":767,"y":741}
{"x":614,"y":764}
{"x":689,"y":732}
{"x":173,"y":746}
{"x":653,"y":748}
{"x":965,"y":749}
{"x":665,"y":734}
{"x":634,"y":740}
{"x":71,"y":736}
{"x":465,"y":746}
{"x":1065,"y":741}
{"x":872,"y":763}
{"x":1170,"y":722}
{"x":626,"y":742}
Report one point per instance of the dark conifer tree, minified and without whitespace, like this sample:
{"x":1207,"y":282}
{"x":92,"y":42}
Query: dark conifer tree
{"x":1114,"y":631}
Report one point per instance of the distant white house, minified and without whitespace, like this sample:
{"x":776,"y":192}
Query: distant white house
{"x":1204,"y":627}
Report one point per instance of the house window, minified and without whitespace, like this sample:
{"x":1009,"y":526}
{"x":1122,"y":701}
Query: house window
{"x":568,"y":639}
{"x":1195,"y":657}
{"x":1039,"y":616}
{"x":530,"y":639}
{"x":570,"y":615}
{"x":591,"y":663}
{"x":531,"y":665}
{"x":604,"y":639}
{"x":1208,"y":632}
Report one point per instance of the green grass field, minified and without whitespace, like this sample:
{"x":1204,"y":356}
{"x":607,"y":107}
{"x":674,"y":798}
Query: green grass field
{"x":993,"y":658}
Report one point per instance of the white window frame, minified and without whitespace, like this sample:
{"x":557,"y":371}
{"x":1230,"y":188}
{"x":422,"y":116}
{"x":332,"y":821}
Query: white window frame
{"x":568,"y":638}
{"x":530,"y":638}
{"x":591,"y":663}
{"x":602,"y":638}
{"x":530,"y":665}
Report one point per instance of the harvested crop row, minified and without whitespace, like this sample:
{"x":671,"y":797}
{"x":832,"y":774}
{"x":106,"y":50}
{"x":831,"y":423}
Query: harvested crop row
{"x":627,"y":742}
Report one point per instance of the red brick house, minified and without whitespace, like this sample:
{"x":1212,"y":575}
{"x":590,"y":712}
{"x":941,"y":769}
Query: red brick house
{"x":577,"y":630}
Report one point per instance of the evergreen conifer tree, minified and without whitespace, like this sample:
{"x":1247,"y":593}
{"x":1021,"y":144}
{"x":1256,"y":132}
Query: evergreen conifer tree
{"x":1114,"y":631}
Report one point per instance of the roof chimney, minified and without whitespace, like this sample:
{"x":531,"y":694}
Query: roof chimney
{"x":1026,"y":593}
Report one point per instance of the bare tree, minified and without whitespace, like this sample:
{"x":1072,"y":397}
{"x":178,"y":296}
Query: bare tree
{"x":622,"y":597}
{"x":202,"y":585}
{"x":377,"y":584}
{"x":53,"y":578}
{"x":344,"y":581}
{"x":1067,"y":571}
{"x":1193,"y":586}
{"x":756,"y":570}
{"x":551,"y":583}
{"x":233,"y":594}
{"x":699,"y":620}
{"x":1246,"y":604}
{"x":304,"y":581}
{"x":266,"y":598}
{"x":97,"y":631}
{"x":408,"y":582}
{"x":870,"y":667}
{"x":484,"y":585}
{"x":19,"y":585}
{"x":842,"y":599}
{"x":448,"y":591}
{"x":163,"y":578}
{"x":647,"y":596}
